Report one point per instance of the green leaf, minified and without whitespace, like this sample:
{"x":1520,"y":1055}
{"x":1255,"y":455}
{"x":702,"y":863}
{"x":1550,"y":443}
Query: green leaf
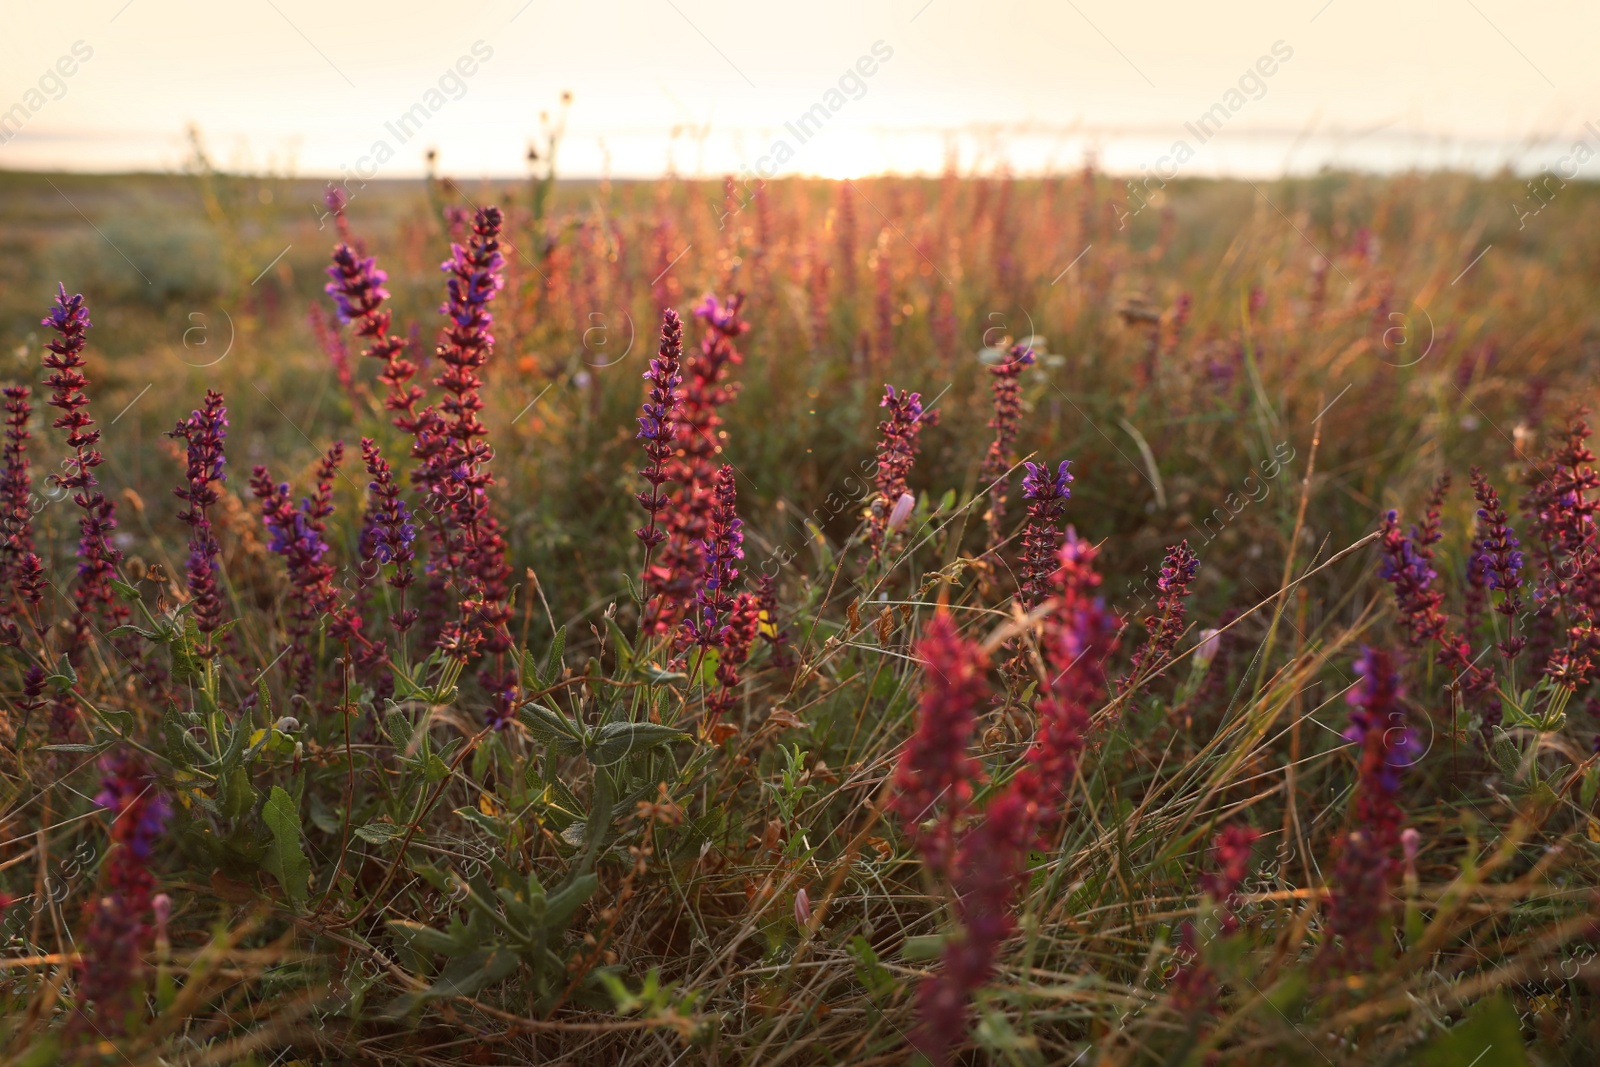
{"x":175,"y":735}
{"x":126,"y":591}
{"x":120,"y":721}
{"x":924,"y":947}
{"x":64,"y":677}
{"x":130,"y":630}
{"x":323,"y":817}
{"x":238,"y":741}
{"x":285,"y":861}
{"x":237,"y":795}
{"x":873,"y":976}
{"x":405,"y":687}
{"x":493,"y":826}
{"x":74,"y":748}
{"x":560,"y":906}
{"x":186,"y":666}
{"x":1489,"y":1034}
{"x":552,"y":662}
{"x":598,"y":821}
{"x":427,"y":939}
{"x":400,"y":731}
{"x":551,"y":727}
{"x":464,"y":976}
{"x":376,"y":833}
{"x":625,"y":654}
{"x":618,"y":740}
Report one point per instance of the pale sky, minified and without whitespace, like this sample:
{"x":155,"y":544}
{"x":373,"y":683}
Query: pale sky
{"x":1028,"y":84}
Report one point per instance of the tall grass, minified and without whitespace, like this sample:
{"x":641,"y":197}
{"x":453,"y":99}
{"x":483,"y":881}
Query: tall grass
{"x":878,"y":740}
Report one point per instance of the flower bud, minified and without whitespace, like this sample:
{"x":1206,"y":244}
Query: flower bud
{"x":902,"y":511}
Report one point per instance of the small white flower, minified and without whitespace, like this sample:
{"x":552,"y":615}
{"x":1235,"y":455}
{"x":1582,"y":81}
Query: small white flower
{"x":1206,"y":650}
{"x":802,"y":908}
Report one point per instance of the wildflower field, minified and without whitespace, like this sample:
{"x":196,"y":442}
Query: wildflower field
{"x":963,"y":620}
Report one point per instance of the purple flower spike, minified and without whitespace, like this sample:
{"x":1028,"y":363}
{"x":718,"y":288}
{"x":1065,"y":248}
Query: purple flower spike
{"x":1007,"y":416}
{"x":204,"y":431}
{"x":1047,"y":496}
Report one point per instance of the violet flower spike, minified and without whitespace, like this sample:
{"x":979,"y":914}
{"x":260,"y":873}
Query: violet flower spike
{"x":1367,"y":866}
{"x":1007,"y":416}
{"x":394,"y":534}
{"x":204,"y":432}
{"x":1167,"y":624}
{"x":97,"y":558}
{"x":1047,"y":496}
{"x":897,"y":451}
{"x":658,"y":421}
{"x":118,"y":930}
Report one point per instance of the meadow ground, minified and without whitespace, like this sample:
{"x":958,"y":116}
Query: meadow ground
{"x":427,"y":756}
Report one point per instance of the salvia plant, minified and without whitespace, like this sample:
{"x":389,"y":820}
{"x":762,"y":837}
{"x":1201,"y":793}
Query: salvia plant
{"x":450,"y":724}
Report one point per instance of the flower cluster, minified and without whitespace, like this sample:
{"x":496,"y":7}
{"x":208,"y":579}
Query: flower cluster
{"x":1561,"y":510}
{"x":733,"y":649}
{"x":1409,"y":570}
{"x":204,"y":433}
{"x":393,"y":534}
{"x":658,"y":421}
{"x":990,"y":860}
{"x":1166,"y":625}
{"x":297,"y":534}
{"x":1194,"y":987}
{"x":469,"y":548}
{"x":988,"y":868}
{"x":456,"y":456}
{"x":1370,"y":859}
{"x":358,"y":292}
{"x":117,"y":930}
{"x":723,"y":549}
{"x":1047,"y":496}
{"x":1561,"y":499}
{"x":332,"y":343}
{"x":772,"y":632}
{"x":897,"y":451}
{"x":21,"y":572}
{"x":1499,"y":559}
{"x":1078,"y":637}
{"x":1408,"y":567}
{"x":672,"y":584}
{"x":722,"y":619}
{"x":1231,"y":851}
{"x":97,"y":558}
{"x":933,"y":780}
{"x":16,"y":482}
{"x":1007,"y":414}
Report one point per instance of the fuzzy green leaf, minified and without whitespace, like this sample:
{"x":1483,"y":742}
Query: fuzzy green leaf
{"x":285,"y":861}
